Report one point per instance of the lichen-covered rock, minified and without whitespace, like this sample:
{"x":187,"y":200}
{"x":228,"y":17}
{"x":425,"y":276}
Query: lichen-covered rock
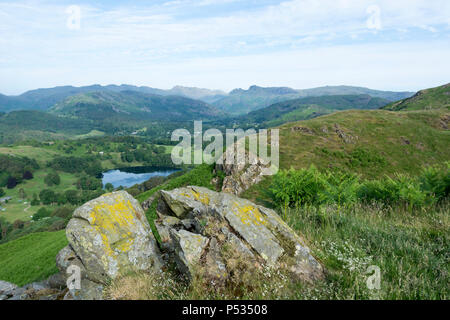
{"x":6,"y":286}
{"x":109,"y":235}
{"x":241,"y":170}
{"x":220,"y":222}
{"x":90,"y":290}
{"x":188,"y":250}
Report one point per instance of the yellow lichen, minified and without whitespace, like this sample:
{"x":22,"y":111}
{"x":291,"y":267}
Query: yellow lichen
{"x":249,"y":215}
{"x":117,"y":218}
{"x":202,"y":197}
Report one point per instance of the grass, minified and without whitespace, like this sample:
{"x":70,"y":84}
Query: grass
{"x":16,"y":210}
{"x":31,"y":258}
{"x":404,"y":141}
{"x":410,"y":248}
{"x":434,"y":98}
{"x":42,"y":155}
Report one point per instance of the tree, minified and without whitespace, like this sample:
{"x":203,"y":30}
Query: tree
{"x":47,"y":196}
{"x":35,"y":201}
{"x":27,"y":175}
{"x":72,"y":196}
{"x":12,"y":183}
{"x":40,"y":214}
{"x":62,"y":212}
{"x":109,"y":187}
{"x":52,"y":179}
{"x":22,"y":193}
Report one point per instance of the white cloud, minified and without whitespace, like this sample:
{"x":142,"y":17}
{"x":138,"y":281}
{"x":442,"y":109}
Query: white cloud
{"x":126,"y":40}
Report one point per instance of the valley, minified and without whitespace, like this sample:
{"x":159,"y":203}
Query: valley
{"x":356,"y":170}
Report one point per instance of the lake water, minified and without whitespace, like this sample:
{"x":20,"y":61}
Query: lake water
{"x":128,"y":177}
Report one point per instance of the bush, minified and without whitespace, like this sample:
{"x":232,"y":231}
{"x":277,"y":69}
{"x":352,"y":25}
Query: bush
{"x":62,"y":212}
{"x":109,"y":187}
{"x":27,"y":175}
{"x":2,"y":192}
{"x":40,"y":214}
{"x":311,"y":187}
{"x":11,"y":183}
{"x":52,"y":179}
{"x":297,"y":187}
{"x":47,"y":196}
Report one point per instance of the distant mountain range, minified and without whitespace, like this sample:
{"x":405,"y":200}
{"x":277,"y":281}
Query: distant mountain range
{"x":238,"y":101}
{"x":308,"y":108}
{"x":241,"y":101}
{"x":43,"y":99}
{"x":99,"y":105}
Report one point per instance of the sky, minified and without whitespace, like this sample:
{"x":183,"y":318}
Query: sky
{"x":225,"y":44}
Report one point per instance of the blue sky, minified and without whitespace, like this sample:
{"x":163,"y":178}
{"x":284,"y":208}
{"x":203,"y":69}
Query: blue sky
{"x":225,"y":44}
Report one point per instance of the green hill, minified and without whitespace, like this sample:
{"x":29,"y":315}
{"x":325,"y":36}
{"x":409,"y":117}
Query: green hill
{"x":22,"y":125}
{"x":308,"y":108}
{"x":434,"y":98}
{"x":241,"y":101}
{"x":134,"y":105}
{"x":368,"y":142}
{"x":31,"y":258}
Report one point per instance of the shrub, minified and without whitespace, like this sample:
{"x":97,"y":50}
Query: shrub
{"x":47,"y":196}
{"x":2,"y":192}
{"x":52,"y":179}
{"x":11,"y":183}
{"x":297,"y":187}
{"x":62,"y":212}
{"x":41,"y":213}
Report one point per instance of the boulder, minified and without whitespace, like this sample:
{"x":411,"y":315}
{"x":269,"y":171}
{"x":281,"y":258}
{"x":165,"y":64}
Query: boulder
{"x":189,"y":248}
{"x":6,"y":286}
{"x":221,"y":224}
{"x":107,"y":236}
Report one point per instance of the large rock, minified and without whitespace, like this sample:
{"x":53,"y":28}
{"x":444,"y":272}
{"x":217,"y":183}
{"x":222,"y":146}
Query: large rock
{"x":216,"y":225}
{"x":6,"y":286}
{"x":241,"y":170}
{"x":107,"y":236}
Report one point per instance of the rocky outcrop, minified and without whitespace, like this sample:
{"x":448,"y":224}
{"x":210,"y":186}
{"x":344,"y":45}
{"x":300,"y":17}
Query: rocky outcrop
{"x":50,"y":289}
{"x":108,"y":236}
{"x":200,"y":228}
{"x":241,"y":172}
{"x":202,"y":232}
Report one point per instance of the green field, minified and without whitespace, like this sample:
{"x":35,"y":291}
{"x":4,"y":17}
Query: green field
{"x":31,"y":258}
{"x":18,"y":208}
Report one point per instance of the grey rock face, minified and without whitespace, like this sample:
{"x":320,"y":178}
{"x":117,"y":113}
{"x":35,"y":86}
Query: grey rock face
{"x":220,"y":224}
{"x":107,"y":236}
{"x":111,"y":233}
{"x":6,"y":286}
{"x":241,"y":172}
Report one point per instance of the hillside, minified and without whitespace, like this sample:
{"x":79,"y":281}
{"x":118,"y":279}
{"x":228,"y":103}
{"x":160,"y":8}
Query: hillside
{"x":351,"y":90}
{"x":134,"y":105}
{"x":434,"y":98}
{"x":43,"y":99}
{"x":21,"y":125}
{"x":241,"y":101}
{"x":371,"y":143}
{"x":31,"y":258}
{"x":308,"y":108}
